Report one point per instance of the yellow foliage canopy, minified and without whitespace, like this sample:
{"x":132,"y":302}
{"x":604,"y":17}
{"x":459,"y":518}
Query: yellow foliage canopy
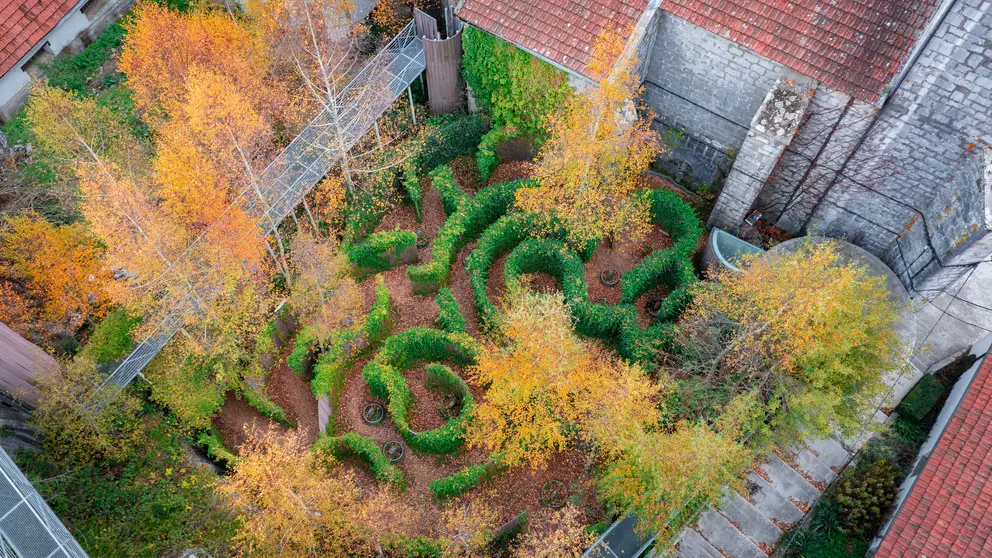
{"x":546,"y":381}
{"x":596,"y":150}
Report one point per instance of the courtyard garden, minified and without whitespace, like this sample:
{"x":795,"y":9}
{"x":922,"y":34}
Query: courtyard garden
{"x":477,"y":334}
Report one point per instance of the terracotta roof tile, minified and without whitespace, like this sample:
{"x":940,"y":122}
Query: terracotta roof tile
{"x":25,"y":22}
{"x":949,"y":509}
{"x":855,"y":46}
{"x":562,"y":31}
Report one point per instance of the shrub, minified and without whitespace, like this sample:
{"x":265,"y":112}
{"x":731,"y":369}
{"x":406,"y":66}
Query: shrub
{"x":354,"y":443}
{"x":411,"y":183}
{"x":507,"y":232}
{"x":299,"y":359}
{"x":449,"y":137}
{"x":921,"y":399}
{"x":111,"y":339}
{"x":664,"y":267}
{"x":486,"y":159}
{"x":449,"y":316}
{"x":491,"y":203}
{"x":379,"y":320}
{"x":382,"y":251}
{"x":461,"y":482}
{"x":865,"y":495}
{"x":678,"y":218}
{"x":420,"y":547}
{"x":551,"y":257}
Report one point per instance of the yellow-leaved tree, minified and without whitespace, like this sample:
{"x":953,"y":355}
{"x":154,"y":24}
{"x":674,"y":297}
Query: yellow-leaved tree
{"x":546,"y":382}
{"x":293,"y":501}
{"x":597,"y":147}
{"x":810,"y":331}
{"x":324,"y":294}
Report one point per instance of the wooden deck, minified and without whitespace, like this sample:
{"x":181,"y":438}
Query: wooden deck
{"x":20,"y":362}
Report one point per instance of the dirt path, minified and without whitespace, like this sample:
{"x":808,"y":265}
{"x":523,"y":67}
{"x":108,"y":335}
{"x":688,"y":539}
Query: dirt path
{"x":291,"y":391}
{"x":238,"y":421}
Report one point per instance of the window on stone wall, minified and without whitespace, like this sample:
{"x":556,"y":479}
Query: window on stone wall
{"x":92,"y":7}
{"x":33,"y":65}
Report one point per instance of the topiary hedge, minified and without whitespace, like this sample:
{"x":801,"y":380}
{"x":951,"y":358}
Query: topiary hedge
{"x":448,"y":137}
{"x":301,"y":357}
{"x":467,"y":219}
{"x":382,"y":251}
{"x":501,"y":237}
{"x":921,"y":399}
{"x":461,"y":482}
{"x":406,"y":349}
{"x":261,"y":401}
{"x":449,"y":316}
{"x":216,"y":450}
{"x":368,"y":449}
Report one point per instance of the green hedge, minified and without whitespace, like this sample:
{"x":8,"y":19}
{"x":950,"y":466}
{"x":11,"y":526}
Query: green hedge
{"x":381,"y":251}
{"x":419,"y":547}
{"x":449,"y":316}
{"x":461,"y":482}
{"x":467,"y":219}
{"x":379,"y":320}
{"x":216,"y":449}
{"x":354,"y":443}
{"x":507,"y":232}
{"x":303,"y":350}
{"x":677,"y":218}
{"x":261,"y":401}
{"x":486,"y":159}
{"x":406,"y":349}
{"x":921,"y":399}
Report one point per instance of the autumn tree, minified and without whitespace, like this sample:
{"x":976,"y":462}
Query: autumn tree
{"x":810,"y":331}
{"x":293,"y":501}
{"x":164,"y":46}
{"x":321,"y":41}
{"x":666,"y":476}
{"x":58,"y":266}
{"x":73,"y":431}
{"x":545,"y":383}
{"x":324,"y":294}
{"x":597,"y":148}
{"x":554,"y":534}
{"x":467,"y":526}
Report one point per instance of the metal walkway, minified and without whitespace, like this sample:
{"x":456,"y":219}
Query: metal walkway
{"x":289,"y":177}
{"x":28,"y":528}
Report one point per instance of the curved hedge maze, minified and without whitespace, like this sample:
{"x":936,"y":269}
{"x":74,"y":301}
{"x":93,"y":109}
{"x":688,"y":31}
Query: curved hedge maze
{"x":488,"y":219}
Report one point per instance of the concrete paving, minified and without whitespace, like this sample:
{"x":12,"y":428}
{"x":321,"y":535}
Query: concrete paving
{"x":749,"y":520}
{"x":725,"y":537}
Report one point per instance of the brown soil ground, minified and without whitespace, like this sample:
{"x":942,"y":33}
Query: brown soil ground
{"x":238,"y":421}
{"x":623,"y":256}
{"x":293,"y":393}
{"x":466,"y":173}
{"x":514,"y":170}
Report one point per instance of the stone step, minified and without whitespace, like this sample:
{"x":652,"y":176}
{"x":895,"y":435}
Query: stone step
{"x":830,"y":451}
{"x":770,"y":503}
{"x":725,"y":537}
{"x":750,"y":520}
{"x":323,"y":413}
{"x":814,"y":467}
{"x":788,"y":482}
{"x":692,"y":545}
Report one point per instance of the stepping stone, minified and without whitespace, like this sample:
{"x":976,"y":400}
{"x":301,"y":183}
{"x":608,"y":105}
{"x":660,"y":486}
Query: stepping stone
{"x":788,"y":482}
{"x":749,"y":520}
{"x":725,"y":537}
{"x":692,"y":545}
{"x":770,"y":503}
{"x":813,"y":467}
{"x":830,"y":452}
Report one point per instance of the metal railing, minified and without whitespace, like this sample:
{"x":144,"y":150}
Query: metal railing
{"x":28,"y":527}
{"x":286,"y":180}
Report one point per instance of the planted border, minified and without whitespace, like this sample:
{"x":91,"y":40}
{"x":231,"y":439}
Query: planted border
{"x":461,"y":482}
{"x":366,"y":448}
{"x":382,"y":251}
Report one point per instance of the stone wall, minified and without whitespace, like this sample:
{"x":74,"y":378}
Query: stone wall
{"x":708,"y":86}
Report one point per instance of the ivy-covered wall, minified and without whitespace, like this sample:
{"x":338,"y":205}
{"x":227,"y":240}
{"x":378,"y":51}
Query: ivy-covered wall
{"x":516,"y":89}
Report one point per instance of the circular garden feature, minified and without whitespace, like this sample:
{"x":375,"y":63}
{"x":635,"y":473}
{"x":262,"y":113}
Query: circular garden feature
{"x":653,"y":307}
{"x":393,"y":450}
{"x":554,"y":494}
{"x":609,"y":277}
{"x":373,"y":413}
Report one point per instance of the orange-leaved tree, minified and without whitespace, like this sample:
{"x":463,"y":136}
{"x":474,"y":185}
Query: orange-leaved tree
{"x":597,"y":147}
{"x":60,"y":266}
{"x":810,"y":330}
{"x":164,"y":46}
{"x":293,"y":501}
{"x":546,"y":383}
{"x":324,"y":294}
{"x":553,"y":534}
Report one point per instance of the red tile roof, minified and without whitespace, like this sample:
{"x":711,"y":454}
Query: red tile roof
{"x":25,"y":22}
{"x":562,"y":31}
{"x":949,"y":509}
{"x":855,"y":46}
